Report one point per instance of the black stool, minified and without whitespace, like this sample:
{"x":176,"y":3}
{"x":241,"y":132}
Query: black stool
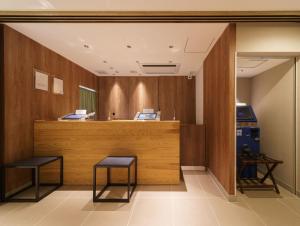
{"x":115,"y":162}
{"x":35,"y":164}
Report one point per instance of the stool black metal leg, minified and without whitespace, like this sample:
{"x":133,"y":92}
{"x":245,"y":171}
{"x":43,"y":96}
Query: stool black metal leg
{"x":33,"y":176}
{"x":37,"y":183}
{"x":61,"y":171}
{"x":135,"y":171}
{"x":108,"y":175}
{"x":3,"y":184}
{"x":94,"y":182}
{"x":128,"y":188}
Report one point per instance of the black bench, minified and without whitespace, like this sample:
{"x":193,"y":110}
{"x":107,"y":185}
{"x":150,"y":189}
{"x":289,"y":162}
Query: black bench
{"x":35,"y":164}
{"x":115,"y":162}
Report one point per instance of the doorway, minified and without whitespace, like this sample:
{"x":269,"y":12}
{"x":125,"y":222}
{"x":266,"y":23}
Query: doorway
{"x":268,"y":85}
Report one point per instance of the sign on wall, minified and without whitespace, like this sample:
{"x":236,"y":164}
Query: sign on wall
{"x":58,"y":86}
{"x":41,"y":81}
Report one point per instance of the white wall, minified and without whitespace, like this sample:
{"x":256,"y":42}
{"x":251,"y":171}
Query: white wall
{"x":243,"y":90}
{"x":273,"y":100}
{"x":199,"y":97}
{"x":268,"y":37}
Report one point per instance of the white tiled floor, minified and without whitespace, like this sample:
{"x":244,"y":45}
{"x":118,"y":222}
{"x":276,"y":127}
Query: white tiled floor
{"x":195,"y":202}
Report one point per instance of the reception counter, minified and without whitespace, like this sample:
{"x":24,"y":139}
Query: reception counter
{"x":84,"y":143}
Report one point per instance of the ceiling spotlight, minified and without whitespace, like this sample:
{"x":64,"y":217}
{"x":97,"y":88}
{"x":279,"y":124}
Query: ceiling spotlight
{"x":137,"y":61}
{"x":104,"y":61}
{"x":170,"y":61}
{"x":128,"y":46}
{"x":86,"y":46}
{"x":171,"y":46}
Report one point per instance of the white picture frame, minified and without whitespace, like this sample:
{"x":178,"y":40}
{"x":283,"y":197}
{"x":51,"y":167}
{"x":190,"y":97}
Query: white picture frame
{"x":41,"y":80}
{"x":58,"y":86}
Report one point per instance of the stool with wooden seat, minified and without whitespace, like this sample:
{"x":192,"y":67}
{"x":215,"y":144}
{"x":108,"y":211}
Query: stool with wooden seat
{"x":115,"y":162}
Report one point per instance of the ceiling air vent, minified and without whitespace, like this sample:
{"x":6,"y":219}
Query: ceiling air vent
{"x":159,"y":68}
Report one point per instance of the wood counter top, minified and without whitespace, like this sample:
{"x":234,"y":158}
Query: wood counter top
{"x":84,"y":143}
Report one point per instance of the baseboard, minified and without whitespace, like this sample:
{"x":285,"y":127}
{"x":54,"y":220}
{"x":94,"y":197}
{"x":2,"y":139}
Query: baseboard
{"x":230,"y":198}
{"x":202,"y":168}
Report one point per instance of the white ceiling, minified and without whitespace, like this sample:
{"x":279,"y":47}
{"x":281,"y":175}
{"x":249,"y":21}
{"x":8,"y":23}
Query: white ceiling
{"x":248,"y":67}
{"x":108,"y":51}
{"x":151,"y":5}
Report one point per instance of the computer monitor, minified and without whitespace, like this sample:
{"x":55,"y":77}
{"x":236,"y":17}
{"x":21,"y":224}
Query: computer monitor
{"x":245,"y":114}
{"x":147,"y":116}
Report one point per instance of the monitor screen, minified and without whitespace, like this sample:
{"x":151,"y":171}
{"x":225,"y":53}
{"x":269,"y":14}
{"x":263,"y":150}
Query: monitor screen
{"x":73,"y":117}
{"x":147,"y":116}
{"x":245,"y":114}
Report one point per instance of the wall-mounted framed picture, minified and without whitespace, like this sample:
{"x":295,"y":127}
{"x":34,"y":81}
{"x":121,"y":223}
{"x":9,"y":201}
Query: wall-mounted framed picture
{"x":58,"y":86}
{"x":41,"y":80}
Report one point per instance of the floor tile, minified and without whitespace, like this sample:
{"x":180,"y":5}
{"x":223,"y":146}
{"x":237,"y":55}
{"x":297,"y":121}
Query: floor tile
{"x":273,"y":212}
{"x":193,"y":212}
{"x":292,"y":203}
{"x":107,"y":218}
{"x":234,"y":213}
{"x":150,"y":191}
{"x":30,"y":213}
{"x":71,"y":212}
{"x":209,"y":186}
{"x":150,"y":212}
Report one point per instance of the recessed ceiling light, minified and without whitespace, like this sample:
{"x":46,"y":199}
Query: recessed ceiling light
{"x":86,"y":46}
{"x":104,"y":61}
{"x":170,"y":61}
{"x":128,"y":46}
{"x":171,"y":46}
{"x":137,"y":61}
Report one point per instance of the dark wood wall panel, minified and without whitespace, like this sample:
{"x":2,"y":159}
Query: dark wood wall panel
{"x":113,"y":97}
{"x":24,"y":104}
{"x":192,"y":145}
{"x":127,"y":95}
{"x":167,"y":97}
{"x":185,"y":100}
{"x":143,"y":93}
{"x":219,"y":108}
{"x":2,"y":132}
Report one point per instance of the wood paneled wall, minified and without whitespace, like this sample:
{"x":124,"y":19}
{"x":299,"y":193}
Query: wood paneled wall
{"x":2,"y":132}
{"x":126,"y":95}
{"x":219,"y":108}
{"x":192,"y":145}
{"x":24,"y":104}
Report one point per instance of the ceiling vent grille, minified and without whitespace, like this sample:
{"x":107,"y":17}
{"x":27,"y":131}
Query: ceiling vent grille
{"x":160,"y":68}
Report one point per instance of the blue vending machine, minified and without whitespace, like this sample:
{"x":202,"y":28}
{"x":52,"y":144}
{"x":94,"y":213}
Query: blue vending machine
{"x":247,"y":138}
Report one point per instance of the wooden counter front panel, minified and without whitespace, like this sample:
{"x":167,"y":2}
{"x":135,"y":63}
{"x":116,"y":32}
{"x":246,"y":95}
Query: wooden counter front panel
{"x":83,"y":144}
